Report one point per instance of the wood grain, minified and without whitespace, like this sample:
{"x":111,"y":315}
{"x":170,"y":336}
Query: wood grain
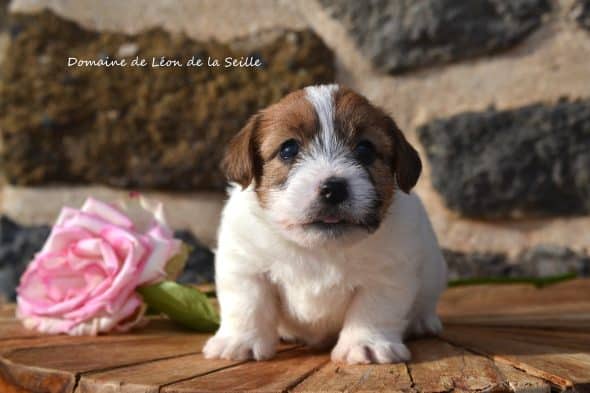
{"x":150,"y":376}
{"x":437,"y":366}
{"x":29,"y":367}
{"x":10,"y":329}
{"x":277,"y":375}
{"x":7,"y":311}
{"x":519,"y":381}
{"x":333,"y":378}
{"x":514,"y":299}
{"x":564,"y":365}
{"x":38,"y":341}
{"x":19,"y":378}
{"x":557,"y":318}
{"x":96,"y":355}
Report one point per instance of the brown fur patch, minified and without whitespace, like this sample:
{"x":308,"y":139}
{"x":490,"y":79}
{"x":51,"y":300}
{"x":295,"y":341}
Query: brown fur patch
{"x":291,"y":118}
{"x":356,"y":119}
{"x":241,"y":162}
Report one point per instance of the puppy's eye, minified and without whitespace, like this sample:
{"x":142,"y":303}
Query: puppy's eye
{"x":289,"y":150}
{"x":365,"y":152}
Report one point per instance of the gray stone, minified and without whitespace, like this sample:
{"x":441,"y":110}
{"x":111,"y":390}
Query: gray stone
{"x":550,"y":260}
{"x":474,"y":265}
{"x":531,"y":161}
{"x":581,"y":13}
{"x":18,"y":245}
{"x":405,"y":34}
{"x":3,"y":14}
{"x":200,"y":266}
{"x":536,"y":262}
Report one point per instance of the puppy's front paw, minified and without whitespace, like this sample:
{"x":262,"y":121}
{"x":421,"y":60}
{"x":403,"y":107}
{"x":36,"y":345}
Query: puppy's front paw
{"x":240,"y":347}
{"x":370,"y":351}
{"x":426,"y":325}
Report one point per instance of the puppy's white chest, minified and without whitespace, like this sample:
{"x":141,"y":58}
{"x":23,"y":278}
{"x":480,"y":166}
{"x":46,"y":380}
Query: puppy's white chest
{"x":312,"y":291}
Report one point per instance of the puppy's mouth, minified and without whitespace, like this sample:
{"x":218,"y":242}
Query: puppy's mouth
{"x":331,"y":224}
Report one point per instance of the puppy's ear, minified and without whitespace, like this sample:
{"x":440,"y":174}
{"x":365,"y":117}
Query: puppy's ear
{"x":406,"y":161}
{"x":241,"y":162}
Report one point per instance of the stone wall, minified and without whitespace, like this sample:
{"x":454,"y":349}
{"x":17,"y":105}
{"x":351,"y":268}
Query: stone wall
{"x":494,"y":93}
{"x":142,"y":127}
{"x":525,"y":162}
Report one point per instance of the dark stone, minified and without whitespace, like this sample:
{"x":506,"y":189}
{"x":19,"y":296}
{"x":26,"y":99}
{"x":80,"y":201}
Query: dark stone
{"x":581,"y":13}
{"x":551,"y":260}
{"x":474,"y":265}
{"x":18,"y":245}
{"x":404,"y":34}
{"x":536,"y":262}
{"x":200,"y":266}
{"x":138,"y":127}
{"x":533,"y":161}
{"x":3,"y":15}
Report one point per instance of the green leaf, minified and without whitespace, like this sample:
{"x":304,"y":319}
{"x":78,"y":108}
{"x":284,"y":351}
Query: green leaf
{"x":182,"y":304}
{"x":175,"y":265}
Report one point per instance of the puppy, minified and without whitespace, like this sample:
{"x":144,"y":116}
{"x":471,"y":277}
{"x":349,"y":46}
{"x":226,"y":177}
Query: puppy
{"x":321,"y":241}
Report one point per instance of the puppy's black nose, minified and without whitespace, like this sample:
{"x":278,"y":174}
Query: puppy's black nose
{"x":334,"y":191}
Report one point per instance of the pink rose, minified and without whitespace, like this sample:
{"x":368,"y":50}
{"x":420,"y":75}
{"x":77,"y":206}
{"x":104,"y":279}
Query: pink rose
{"x":83,"y":281}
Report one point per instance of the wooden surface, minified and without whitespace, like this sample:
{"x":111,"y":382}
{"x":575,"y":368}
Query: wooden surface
{"x":512,"y":338}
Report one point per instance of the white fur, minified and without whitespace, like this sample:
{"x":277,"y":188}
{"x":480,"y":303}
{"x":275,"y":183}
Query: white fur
{"x":275,"y":278}
{"x":368,"y":295}
{"x":293,"y":205}
{"x":322,"y":99}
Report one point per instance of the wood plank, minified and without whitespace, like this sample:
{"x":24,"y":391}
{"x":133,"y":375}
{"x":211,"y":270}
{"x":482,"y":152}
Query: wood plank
{"x":280,"y":374}
{"x":333,"y":378}
{"x":60,"y":340}
{"x":7,"y":310}
{"x":560,"y":361}
{"x":551,"y":318}
{"x":522,"y":382}
{"x":15,"y":379}
{"x":15,"y":376}
{"x":517,"y":298}
{"x":98,"y":355}
{"x":149,"y":377}
{"x":155,"y":329}
{"x":33,"y":368}
{"x":11,"y":329}
{"x":437,"y":366}
{"x":577,"y":341}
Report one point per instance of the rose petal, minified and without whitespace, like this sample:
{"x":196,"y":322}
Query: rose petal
{"x":65,"y":214}
{"x":61,"y":237}
{"x":107,"y":321}
{"x":87,"y":221}
{"x":159,"y":216}
{"x":99,"y":324}
{"x":162,"y":251}
{"x":107,"y":212}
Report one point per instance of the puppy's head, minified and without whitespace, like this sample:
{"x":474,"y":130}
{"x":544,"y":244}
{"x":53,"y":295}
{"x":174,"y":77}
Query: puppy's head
{"x":324,"y":164}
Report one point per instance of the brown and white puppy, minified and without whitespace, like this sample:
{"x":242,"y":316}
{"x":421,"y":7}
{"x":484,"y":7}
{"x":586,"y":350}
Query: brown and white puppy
{"x":321,"y":240}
